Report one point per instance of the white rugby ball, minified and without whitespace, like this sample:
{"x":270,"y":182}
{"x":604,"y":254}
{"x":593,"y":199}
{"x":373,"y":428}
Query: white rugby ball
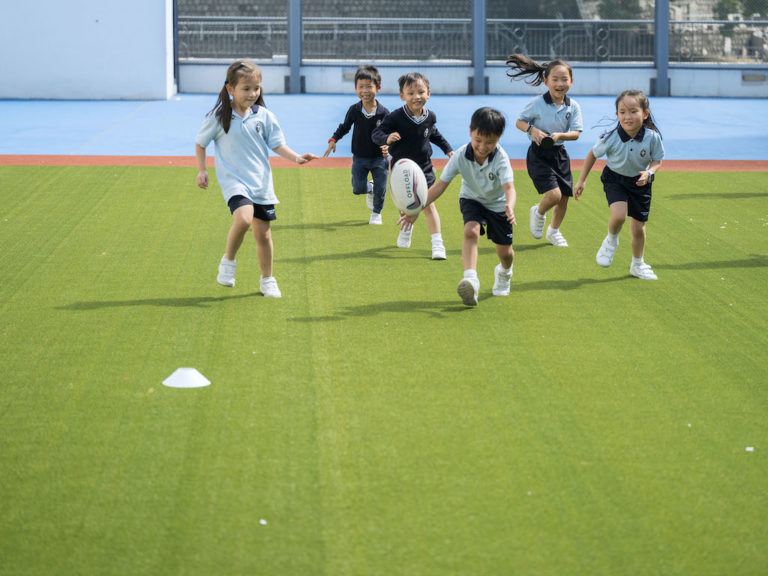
{"x":408,"y":186}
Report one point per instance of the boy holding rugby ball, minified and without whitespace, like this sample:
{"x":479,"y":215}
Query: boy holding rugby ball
{"x":487,"y":199}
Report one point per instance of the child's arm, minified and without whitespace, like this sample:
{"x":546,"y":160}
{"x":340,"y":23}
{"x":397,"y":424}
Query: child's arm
{"x":572,"y":135}
{"x":434,"y":192}
{"x":646,"y":174}
{"x":331,"y":148}
{"x":289,"y":154}
{"x":437,"y":138}
{"x":202,"y":170}
{"x":511,"y":196}
{"x":589,"y":161}
{"x":528,"y":128}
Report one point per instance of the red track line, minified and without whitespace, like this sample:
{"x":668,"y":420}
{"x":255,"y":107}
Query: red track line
{"x":345,"y":162}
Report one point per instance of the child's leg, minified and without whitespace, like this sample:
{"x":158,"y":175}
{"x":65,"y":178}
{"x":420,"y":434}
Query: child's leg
{"x":506,"y":255}
{"x":241,"y":221}
{"x":638,"y":238}
{"x":548,"y":200}
{"x":618,"y":217}
{"x":433,"y":219}
{"x":469,"y":245}
{"x":263,"y":235}
{"x":359,"y":177}
{"x":379,"y":172}
{"x":558,"y":213}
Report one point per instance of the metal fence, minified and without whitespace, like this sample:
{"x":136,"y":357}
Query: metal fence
{"x":450,"y":39}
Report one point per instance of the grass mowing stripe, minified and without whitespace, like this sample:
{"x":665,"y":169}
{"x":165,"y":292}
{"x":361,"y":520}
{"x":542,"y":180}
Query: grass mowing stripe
{"x":377,"y":424}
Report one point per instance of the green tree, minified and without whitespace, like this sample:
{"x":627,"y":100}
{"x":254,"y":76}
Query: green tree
{"x":724,"y":7}
{"x":754,"y":7}
{"x":619,"y":9}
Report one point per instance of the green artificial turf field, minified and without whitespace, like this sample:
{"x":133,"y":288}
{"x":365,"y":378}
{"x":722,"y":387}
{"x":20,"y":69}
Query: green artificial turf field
{"x":367,"y":423}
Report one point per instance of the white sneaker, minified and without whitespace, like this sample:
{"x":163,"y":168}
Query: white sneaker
{"x":605,"y":254}
{"x":226,"y":275}
{"x":555,"y":238}
{"x":375,"y":218}
{"x":404,"y":238}
{"x":467,"y":290}
{"x":537,"y":221}
{"x":501,"y":282}
{"x":438,"y":252}
{"x":642,"y":271}
{"x":268,"y":287}
{"x":369,"y":197}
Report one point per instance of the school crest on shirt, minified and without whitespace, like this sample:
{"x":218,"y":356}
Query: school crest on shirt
{"x":491,"y":176}
{"x":426,"y":132}
{"x":259,"y":127}
{"x":643,"y":153}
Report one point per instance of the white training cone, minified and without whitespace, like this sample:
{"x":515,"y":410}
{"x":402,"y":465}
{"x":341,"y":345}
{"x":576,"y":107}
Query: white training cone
{"x":186,"y":378}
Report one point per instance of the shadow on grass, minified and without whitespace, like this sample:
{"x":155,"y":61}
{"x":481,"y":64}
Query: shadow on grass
{"x":323,"y":226}
{"x":755,"y":261}
{"x":192,"y":302}
{"x":432,"y":308}
{"x":725,"y":195}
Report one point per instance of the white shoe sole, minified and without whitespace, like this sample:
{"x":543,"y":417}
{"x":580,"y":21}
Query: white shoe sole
{"x":467,"y":293}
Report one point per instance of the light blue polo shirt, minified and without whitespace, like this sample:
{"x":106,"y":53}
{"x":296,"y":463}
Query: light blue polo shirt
{"x":482,"y":183}
{"x":242,"y":154}
{"x":629,"y":156}
{"x":543,"y":113}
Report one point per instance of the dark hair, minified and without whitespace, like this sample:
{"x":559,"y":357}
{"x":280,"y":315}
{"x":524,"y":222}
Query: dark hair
{"x":521,"y":65}
{"x":642,"y":99}
{"x":488,"y":121}
{"x":368,"y":73}
{"x":236,"y":72}
{"x":412,"y":78}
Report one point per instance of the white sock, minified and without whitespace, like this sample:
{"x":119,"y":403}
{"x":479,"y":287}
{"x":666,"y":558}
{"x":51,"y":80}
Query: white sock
{"x":613,"y":238}
{"x":437,"y":239}
{"x":470,"y":274}
{"x":224,"y":259}
{"x":506,"y":271}
{"x":553,"y":230}
{"x":637,"y":261}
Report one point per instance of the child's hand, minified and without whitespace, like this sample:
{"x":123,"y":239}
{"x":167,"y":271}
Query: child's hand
{"x":537,"y":135}
{"x":643,"y":180}
{"x":510,"y":215}
{"x":556,"y":136}
{"x":331,"y":148}
{"x":406,"y":222}
{"x":578,"y":189}
{"x":304,"y":158}
{"x":392,"y":138}
{"x":385,"y":150}
{"x":202,"y":179}
{"x":450,"y":154}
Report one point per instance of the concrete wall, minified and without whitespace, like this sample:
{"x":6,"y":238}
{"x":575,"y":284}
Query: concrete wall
{"x":732,"y":80}
{"x":87,"y":49}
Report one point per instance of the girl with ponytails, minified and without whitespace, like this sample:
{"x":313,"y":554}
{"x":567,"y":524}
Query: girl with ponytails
{"x":633,"y":152}
{"x":550,"y":120}
{"x":244,"y":132}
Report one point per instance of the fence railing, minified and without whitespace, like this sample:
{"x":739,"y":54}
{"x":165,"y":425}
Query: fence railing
{"x":450,"y":39}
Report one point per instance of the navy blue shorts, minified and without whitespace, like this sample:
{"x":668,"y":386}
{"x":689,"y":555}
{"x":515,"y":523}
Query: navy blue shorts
{"x":499,"y":228}
{"x":264,"y":212}
{"x":550,"y":168}
{"x":620,"y":188}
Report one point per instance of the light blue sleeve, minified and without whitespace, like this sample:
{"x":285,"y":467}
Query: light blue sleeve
{"x":451,"y":169}
{"x":274,"y":136}
{"x":528,"y":112}
{"x":657,"y":147}
{"x":601,"y":146}
{"x":506,"y":173}
{"x":209,"y":131}
{"x":576,"y":122}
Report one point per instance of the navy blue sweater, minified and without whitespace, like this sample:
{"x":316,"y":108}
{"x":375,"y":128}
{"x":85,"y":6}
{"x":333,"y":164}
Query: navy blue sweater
{"x":362,"y":145}
{"x":415,"y":137}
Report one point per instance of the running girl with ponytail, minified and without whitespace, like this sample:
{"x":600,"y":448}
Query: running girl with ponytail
{"x":633,"y":152}
{"x":549,"y":120}
{"x":244,"y":132}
